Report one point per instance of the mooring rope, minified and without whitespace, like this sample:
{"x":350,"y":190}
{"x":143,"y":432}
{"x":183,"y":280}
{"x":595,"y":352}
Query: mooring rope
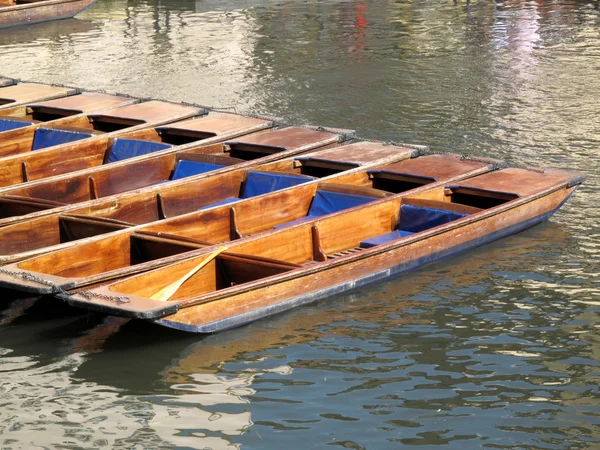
{"x":58,"y":290}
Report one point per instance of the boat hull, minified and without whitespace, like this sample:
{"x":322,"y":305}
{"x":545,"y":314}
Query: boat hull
{"x":37,"y":12}
{"x":354,"y":273}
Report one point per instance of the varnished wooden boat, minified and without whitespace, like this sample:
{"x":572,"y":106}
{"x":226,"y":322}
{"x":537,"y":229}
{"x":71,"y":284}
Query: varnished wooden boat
{"x":23,"y":12}
{"x":159,"y":170}
{"x":245,"y":280}
{"x":72,"y":145}
{"x":20,"y":122}
{"x":233,"y":206}
{"x":17,"y":94}
{"x":41,"y":235}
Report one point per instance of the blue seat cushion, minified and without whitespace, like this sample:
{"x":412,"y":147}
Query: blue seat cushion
{"x":327,"y":202}
{"x":416,"y":218}
{"x":188,"y":168}
{"x":412,"y":220}
{"x":225,"y":201}
{"x":259,"y":183}
{"x":130,"y":148}
{"x":382,"y":239}
{"x":9,"y":124}
{"x":48,"y":137}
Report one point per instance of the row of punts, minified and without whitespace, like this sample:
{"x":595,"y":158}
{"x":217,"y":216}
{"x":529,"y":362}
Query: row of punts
{"x":202,"y":221}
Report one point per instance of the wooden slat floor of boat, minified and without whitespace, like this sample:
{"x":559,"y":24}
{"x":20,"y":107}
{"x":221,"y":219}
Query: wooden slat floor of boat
{"x":346,"y":252}
{"x":22,"y":93}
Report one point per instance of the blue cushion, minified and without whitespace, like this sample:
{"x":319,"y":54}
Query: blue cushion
{"x":9,"y":124}
{"x":188,"y":168}
{"x":129,"y":148}
{"x":415,"y":218}
{"x":412,"y":220}
{"x":259,"y":183}
{"x":220,"y":202}
{"x":327,"y":202}
{"x":382,"y":239}
{"x":48,"y":137}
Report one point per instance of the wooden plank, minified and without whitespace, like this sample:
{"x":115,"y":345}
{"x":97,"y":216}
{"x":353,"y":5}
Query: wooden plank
{"x":23,"y":93}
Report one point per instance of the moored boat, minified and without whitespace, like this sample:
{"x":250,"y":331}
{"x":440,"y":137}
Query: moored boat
{"x":20,"y":122}
{"x":17,"y":94}
{"x":23,"y":12}
{"x":233,"y":206}
{"x":56,"y":149}
{"x":157,"y":168}
{"x":249,"y":279}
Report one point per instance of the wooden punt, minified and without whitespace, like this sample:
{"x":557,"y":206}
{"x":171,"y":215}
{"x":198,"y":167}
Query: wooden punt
{"x":222,"y":216}
{"x":157,"y":171}
{"x":22,"y":93}
{"x":257,"y":277}
{"x":20,"y":122}
{"x":41,"y":235}
{"x":23,"y":12}
{"x":53,"y":150}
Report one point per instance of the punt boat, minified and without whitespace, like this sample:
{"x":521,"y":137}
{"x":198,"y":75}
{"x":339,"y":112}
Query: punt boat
{"x":162,"y":168}
{"x":23,"y":12}
{"x":55,"y":149}
{"x":44,"y":234}
{"x":233,"y":206}
{"x":21,"y":121}
{"x":232,"y":284}
{"x":17,"y":94}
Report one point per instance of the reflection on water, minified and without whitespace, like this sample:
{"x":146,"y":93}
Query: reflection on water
{"x":496,"y":348}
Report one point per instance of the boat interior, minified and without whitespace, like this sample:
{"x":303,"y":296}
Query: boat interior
{"x":341,"y":236}
{"x":201,"y":194}
{"x":72,"y":127}
{"x":160,"y":170}
{"x":227,"y":221}
{"x":26,"y":115}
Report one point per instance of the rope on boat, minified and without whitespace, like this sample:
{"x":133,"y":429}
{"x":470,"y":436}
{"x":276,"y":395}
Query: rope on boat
{"x":58,"y":290}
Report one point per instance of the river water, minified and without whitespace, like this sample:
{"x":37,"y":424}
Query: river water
{"x":498,"y":348}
